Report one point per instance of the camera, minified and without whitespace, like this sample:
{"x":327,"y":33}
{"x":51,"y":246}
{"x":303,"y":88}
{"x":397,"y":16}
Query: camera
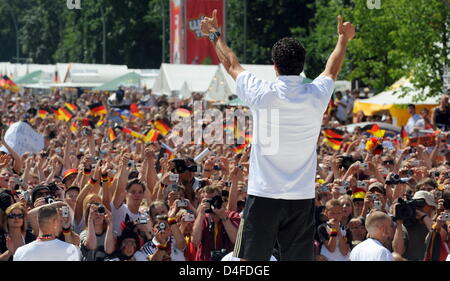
{"x":174,"y":188}
{"x":86,"y":132}
{"x":406,"y":210}
{"x":215,"y":202}
{"x":324,"y":188}
{"x":412,"y":150}
{"x":438,"y":194}
{"x":143,"y":219}
{"x":101,"y":210}
{"x":342,"y":190}
{"x":377,"y":205}
{"x":447,"y":204}
{"x":228,"y":183}
{"x":188,"y":217}
{"x":363,"y":166}
{"x":174,"y":177}
{"x":65,"y":211}
{"x":346,"y":183}
{"x":409,"y":173}
{"x":49,"y":199}
{"x":239,"y":166}
{"x":361,"y":184}
{"x":375,"y":197}
{"x":395,"y":179}
{"x":161,"y":227}
{"x":217,"y":255}
{"x":182,"y":204}
{"x":202,"y":183}
{"x":217,"y":168}
{"x":446,"y":217}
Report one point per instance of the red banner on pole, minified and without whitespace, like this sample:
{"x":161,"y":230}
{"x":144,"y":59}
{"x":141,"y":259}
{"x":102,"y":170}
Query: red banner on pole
{"x":199,"y":49}
{"x":176,"y":31}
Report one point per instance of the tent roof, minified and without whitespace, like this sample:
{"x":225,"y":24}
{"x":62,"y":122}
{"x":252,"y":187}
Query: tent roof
{"x":30,"y":78}
{"x":172,"y":77}
{"x":131,"y":79}
{"x":393,"y":96}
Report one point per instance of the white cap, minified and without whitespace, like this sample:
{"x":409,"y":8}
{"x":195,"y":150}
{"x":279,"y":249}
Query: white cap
{"x":427,"y":196}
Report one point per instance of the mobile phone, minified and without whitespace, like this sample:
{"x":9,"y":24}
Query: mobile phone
{"x":174,"y":177}
{"x":65,"y":211}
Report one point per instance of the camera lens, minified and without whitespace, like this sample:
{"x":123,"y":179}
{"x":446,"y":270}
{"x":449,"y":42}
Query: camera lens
{"x":101,"y":210}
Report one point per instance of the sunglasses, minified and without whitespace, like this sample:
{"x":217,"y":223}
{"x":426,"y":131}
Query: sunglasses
{"x":388,"y":162}
{"x":41,"y":194}
{"x":15,"y":216}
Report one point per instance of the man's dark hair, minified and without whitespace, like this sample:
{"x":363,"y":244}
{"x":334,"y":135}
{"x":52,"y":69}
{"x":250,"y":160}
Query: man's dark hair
{"x":288,"y":54}
{"x":45,"y":214}
{"x":134,"y":181}
{"x":412,"y":106}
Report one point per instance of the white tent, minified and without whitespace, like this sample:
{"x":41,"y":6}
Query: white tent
{"x":87,"y":75}
{"x":172,"y":77}
{"x":148,"y":76}
{"x":222,"y":85}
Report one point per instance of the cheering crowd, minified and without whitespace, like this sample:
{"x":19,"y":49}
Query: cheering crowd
{"x":111,"y":184}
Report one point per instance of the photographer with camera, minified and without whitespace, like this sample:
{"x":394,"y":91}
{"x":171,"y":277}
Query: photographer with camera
{"x":380,"y":228}
{"x":186,"y":169}
{"x":375,"y":199}
{"x":414,"y":222}
{"x":215,"y":228}
{"x":99,"y":226}
{"x":168,"y":240}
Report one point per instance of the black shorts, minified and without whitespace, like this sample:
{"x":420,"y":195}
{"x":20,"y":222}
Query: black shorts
{"x":266,"y":221}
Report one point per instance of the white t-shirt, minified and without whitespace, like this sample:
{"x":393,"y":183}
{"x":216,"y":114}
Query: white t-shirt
{"x":448,"y":258}
{"x":54,"y":250}
{"x":284,"y":168}
{"x":370,"y":250}
{"x":229,"y":257}
{"x":118,"y":216}
{"x":341,"y":112}
{"x":414,"y":121}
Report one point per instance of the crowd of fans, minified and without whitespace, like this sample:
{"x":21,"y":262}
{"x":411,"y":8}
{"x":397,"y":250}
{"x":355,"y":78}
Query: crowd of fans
{"x":99,"y":192}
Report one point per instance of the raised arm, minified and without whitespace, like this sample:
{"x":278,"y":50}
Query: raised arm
{"x":225,"y":54}
{"x":346,"y":33}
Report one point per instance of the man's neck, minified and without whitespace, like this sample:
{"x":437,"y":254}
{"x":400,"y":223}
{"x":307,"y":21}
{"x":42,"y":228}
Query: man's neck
{"x":379,"y":239}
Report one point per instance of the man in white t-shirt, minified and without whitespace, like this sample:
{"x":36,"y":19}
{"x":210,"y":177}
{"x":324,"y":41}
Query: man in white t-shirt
{"x":381,"y":233}
{"x":47,"y":247}
{"x":281,"y":190}
{"x":415,"y":122}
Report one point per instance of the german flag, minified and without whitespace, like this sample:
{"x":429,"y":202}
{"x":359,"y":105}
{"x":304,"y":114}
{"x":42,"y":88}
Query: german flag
{"x":333,"y":133}
{"x":151,"y":136}
{"x":248,"y":138}
{"x":333,"y":143}
{"x":404,"y":136}
{"x":57,"y":114}
{"x":42,"y":113}
{"x":101,"y":121}
{"x":134,"y":134}
{"x":111,"y":134}
{"x":65,"y":113}
{"x":73,"y":127}
{"x":134,"y":109}
{"x":183,"y":112}
{"x":375,"y":130}
{"x":239,"y":148}
{"x":71,"y":106}
{"x":358,"y":193}
{"x":97,"y":109}
{"x":161,"y":127}
{"x":435,"y":247}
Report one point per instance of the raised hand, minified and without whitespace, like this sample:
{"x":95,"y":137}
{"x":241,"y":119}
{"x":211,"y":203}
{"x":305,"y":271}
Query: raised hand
{"x":346,"y":29}
{"x":209,"y":25}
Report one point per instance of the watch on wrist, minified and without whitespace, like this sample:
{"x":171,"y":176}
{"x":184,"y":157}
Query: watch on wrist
{"x":214,"y":35}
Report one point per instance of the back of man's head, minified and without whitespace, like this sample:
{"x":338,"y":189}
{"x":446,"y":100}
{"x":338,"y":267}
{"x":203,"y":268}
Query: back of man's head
{"x":46,"y":214}
{"x":374,"y":221}
{"x":288,"y":54}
